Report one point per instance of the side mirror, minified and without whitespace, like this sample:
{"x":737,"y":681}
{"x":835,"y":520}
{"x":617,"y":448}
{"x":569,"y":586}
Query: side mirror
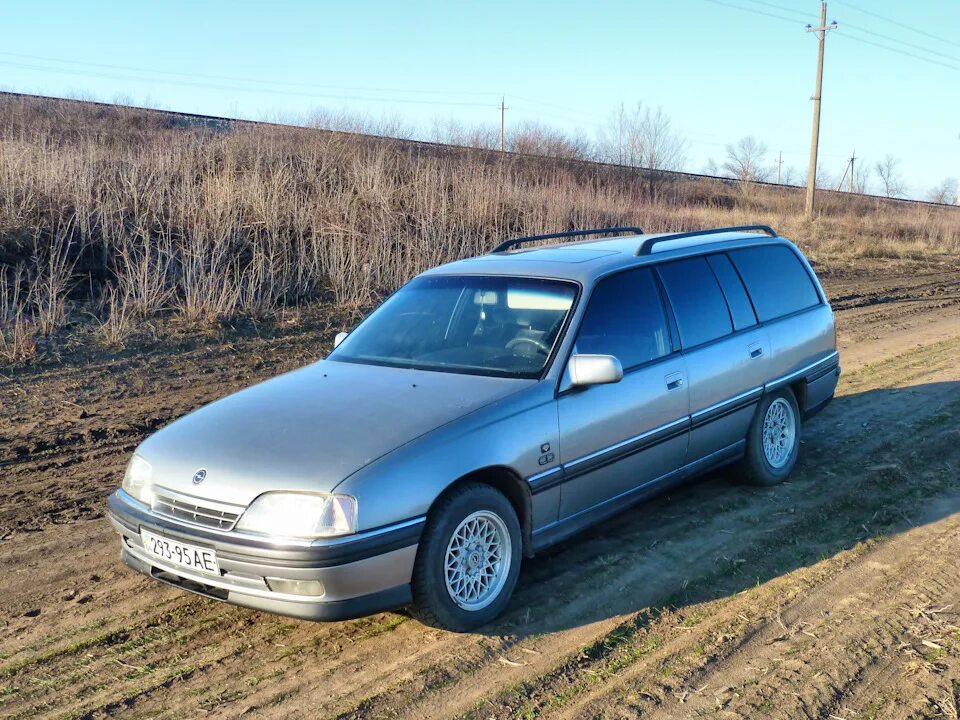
{"x":594,"y":370}
{"x":341,"y":336}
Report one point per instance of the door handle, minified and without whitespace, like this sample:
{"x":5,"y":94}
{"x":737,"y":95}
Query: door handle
{"x":756,"y":350}
{"x":674,"y":381}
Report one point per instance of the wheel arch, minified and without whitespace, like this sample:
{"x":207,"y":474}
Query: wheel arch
{"x":511,"y":485}
{"x":799,"y":390}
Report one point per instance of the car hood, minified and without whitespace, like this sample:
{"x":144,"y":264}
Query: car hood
{"x":310,"y":429}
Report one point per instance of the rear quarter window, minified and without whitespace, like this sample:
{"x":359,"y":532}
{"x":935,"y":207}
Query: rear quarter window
{"x":740,"y":308}
{"x":776,"y":280}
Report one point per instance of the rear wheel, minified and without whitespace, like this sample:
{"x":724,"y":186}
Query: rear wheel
{"x":469,"y":559}
{"x":773,"y":441}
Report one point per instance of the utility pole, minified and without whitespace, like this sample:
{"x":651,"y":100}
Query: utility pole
{"x":844,"y":176}
{"x":847,"y":168}
{"x":779,"y":165}
{"x":503,"y":107}
{"x":821,"y":31}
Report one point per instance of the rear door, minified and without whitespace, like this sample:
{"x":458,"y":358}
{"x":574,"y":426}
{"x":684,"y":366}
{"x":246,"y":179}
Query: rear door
{"x":726,"y":351}
{"x":797,"y":320}
{"x":615,"y":438}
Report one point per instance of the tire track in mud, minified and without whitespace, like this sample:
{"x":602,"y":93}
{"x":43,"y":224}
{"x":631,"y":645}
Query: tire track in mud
{"x":820,"y":644}
{"x":940,"y":287}
{"x":587,"y":594}
{"x":795,"y":510}
{"x":677,"y":656}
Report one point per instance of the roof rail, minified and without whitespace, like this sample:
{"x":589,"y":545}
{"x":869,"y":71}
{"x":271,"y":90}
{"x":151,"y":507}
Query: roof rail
{"x":513,"y":242}
{"x":646,"y":247}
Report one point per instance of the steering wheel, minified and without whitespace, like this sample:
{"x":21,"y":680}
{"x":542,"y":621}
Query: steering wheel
{"x":541,"y":347}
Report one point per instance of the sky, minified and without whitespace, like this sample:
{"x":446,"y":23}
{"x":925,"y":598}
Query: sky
{"x":721,"y":69}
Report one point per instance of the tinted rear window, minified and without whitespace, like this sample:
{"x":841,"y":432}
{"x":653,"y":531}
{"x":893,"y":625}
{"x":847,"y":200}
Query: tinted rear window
{"x":625,"y":319}
{"x":740,"y":308}
{"x":776,"y":280}
{"x":701,"y":310}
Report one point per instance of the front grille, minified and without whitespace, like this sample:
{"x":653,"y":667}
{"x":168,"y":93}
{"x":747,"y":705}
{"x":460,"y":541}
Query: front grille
{"x":177,"y":508}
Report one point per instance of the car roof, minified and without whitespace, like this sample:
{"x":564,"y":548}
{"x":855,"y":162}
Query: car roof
{"x":585,"y":260}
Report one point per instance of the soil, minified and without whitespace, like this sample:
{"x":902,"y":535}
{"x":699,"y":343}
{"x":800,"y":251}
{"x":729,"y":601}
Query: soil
{"x":833,"y":595}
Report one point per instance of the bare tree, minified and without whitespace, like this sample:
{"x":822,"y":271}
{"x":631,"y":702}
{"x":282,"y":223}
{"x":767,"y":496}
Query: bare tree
{"x":825,"y":181}
{"x":452,"y":132}
{"x":534,"y":138}
{"x":862,"y":177}
{"x":746,"y":160}
{"x":789,"y":176}
{"x":531,"y":138}
{"x":345,"y":121}
{"x":642,"y":137}
{"x":889,"y":171}
{"x":945,"y":192}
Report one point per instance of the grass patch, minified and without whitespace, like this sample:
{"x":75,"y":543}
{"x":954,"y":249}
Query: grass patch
{"x":117,"y":217}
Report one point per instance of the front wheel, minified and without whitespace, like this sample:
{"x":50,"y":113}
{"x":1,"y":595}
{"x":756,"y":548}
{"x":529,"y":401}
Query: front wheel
{"x":773,"y":441}
{"x":469,"y":559}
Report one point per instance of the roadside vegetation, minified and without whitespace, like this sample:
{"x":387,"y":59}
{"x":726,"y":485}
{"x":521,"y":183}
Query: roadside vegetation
{"x":115,"y":221}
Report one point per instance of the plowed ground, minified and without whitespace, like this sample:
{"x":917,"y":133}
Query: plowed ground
{"x":836,"y":594}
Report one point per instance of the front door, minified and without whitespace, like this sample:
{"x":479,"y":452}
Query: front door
{"x":616,"y":438}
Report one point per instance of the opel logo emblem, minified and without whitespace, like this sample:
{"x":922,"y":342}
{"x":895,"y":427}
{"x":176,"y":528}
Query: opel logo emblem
{"x":199,"y":475}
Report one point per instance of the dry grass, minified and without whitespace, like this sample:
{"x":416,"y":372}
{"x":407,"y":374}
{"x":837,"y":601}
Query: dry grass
{"x":126,"y":216}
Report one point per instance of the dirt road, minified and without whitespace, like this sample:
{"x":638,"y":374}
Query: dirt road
{"x":836,"y":594}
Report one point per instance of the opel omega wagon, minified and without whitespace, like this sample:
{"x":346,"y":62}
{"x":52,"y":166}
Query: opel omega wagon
{"x":489,"y":408}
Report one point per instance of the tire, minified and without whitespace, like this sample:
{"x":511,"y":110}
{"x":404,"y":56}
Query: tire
{"x":771,"y":465}
{"x":461,"y":598}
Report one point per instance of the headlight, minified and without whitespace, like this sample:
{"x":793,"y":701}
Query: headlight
{"x":300,"y":515}
{"x":137,"y":480}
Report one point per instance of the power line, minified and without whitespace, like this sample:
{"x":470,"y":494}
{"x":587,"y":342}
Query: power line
{"x":569,"y":114}
{"x":754,"y":11}
{"x":900,"y":24}
{"x":849,"y":37}
{"x":564,"y":108}
{"x":901,"y":42}
{"x":553,"y":115}
{"x":867,"y":31}
{"x":271,"y":83}
{"x":269,"y":91}
{"x":226,"y":78}
{"x":783,"y":8}
{"x":901,"y":52}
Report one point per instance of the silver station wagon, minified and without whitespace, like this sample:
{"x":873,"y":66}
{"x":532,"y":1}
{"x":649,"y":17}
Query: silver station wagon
{"x":489,"y":408}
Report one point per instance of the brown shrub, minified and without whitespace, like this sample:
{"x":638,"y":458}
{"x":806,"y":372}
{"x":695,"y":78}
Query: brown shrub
{"x":130,"y":214}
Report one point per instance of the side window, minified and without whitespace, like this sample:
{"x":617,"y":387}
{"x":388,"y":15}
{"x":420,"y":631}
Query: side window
{"x":776,"y":280}
{"x":701,"y":310}
{"x":625,"y":319}
{"x":740,"y":308}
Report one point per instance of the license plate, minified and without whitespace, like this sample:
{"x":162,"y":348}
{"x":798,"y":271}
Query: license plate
{"x":178,"y":553}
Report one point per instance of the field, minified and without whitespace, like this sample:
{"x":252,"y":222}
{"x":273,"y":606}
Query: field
{"x":115,"y":222}
{"x":834,"y":595}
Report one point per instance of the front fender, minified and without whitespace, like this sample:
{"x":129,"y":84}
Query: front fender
{"x":519,"y":433}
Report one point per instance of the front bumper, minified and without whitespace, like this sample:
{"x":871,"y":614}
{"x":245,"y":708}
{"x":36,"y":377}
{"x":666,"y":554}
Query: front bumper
{"x":361,"y":574}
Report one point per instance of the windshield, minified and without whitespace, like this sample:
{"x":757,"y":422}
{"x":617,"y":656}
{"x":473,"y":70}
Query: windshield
{"x":500,"y":326}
